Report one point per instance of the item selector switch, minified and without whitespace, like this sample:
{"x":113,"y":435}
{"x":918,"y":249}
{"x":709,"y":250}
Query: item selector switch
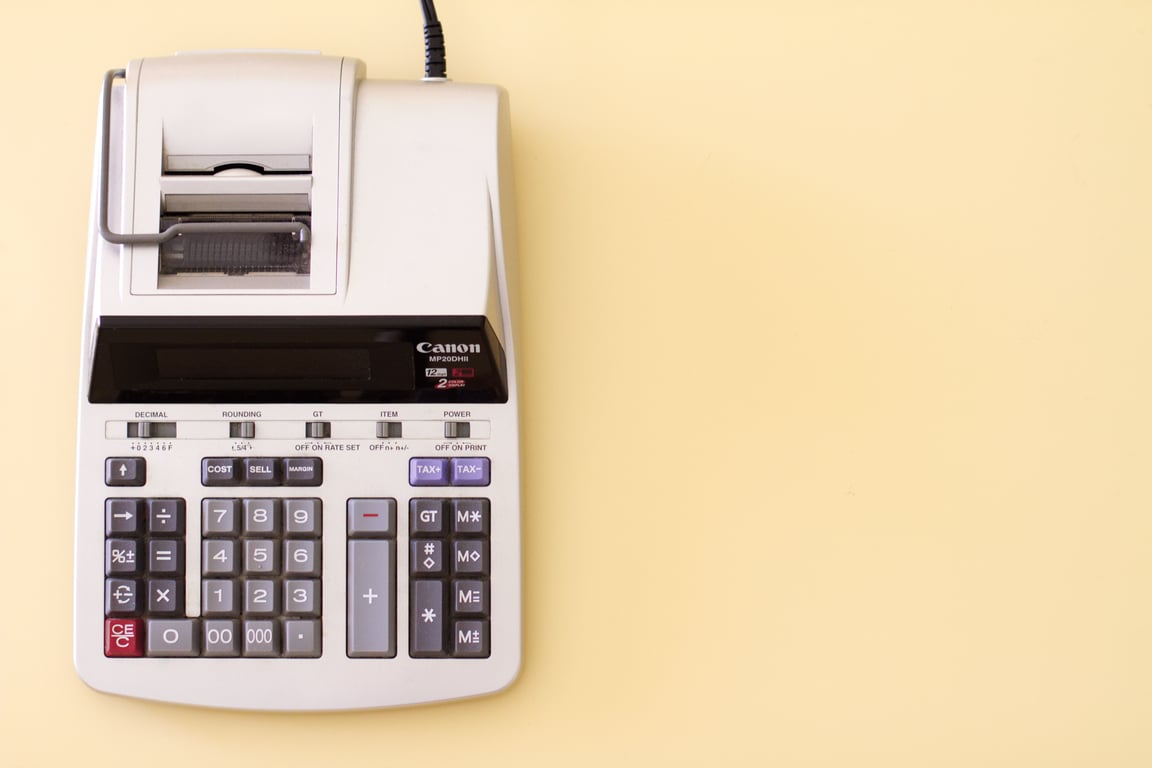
{"x":389,"y":429}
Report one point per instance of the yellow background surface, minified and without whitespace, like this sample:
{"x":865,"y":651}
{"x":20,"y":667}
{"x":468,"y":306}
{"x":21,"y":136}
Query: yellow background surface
{"x":835,"y":351}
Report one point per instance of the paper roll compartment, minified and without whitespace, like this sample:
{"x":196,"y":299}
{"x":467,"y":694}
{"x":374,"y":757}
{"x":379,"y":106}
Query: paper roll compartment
{"x":236,"y":195}
{"x":235,"y":254}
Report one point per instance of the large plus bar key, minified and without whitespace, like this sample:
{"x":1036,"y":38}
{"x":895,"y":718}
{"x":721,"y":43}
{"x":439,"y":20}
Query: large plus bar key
{"x":371,"y":598}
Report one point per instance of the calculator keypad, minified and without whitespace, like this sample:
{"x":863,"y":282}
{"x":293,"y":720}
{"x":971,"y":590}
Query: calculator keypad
{"x":449,"y":567}
{"x":260,"y":587}
{"x":261,"y":568}
{"x":144,"y":570}
{"x":260,"y":593}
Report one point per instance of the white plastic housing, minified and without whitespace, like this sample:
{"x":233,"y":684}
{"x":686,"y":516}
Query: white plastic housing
{"x":412,"y":216}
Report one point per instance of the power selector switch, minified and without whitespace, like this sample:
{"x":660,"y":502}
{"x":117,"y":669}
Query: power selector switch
{"x":457,"y":429}
{"x":243,"y":429}
{"x":151,"y":429}
{"x":387,"y":429}
{"x":318,"y":430}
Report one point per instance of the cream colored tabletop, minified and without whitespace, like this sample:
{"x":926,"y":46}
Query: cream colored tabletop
{"x":836,"y":361}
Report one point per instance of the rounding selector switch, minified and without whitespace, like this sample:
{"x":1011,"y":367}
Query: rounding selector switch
{"x":318,"y":430}
{"x":457,"y":429}
{"x":242,"y":429}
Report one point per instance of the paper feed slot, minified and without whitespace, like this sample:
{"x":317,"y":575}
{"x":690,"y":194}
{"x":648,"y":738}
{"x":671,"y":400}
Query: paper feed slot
{"x":236,"y":194}
{"x":174,"y":163}
{"x":217,"y":203}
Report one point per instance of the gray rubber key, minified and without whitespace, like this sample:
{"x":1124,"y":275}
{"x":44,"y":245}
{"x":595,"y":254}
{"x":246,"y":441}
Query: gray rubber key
{"x":427,"y":620}
{"x":166,"y":517}
{"x":471,"y":640}
{"x":261,"y":638}
{"x":426,"y":516}
{"x":121,"y":597}
{"x":302,"y":597}
{"x":471,"y":556}
{"x":471,"y":516}
{"x":261,"y":597}
{"x":219,"y":558}
{"x":302,"y":638}
{"x":426,"y":557}
{"x":221,"y":637}
{"x":372,"y":517}
{"x":302,"y":558}
{"x":471,"y":596}
{"x":121,"y":557}
{"x":302,"y":517}
{"x":371,"y":598}
{"x":221,"y":517}
{"x":122,"y":517}
{"x":172,"y":637}
{"x":219,"y":598}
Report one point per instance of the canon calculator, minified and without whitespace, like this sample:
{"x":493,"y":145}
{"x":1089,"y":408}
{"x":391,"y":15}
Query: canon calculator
{"x":298,"y":472}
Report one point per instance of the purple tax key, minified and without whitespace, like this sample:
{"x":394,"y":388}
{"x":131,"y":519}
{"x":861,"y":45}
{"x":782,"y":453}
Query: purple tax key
{"x":473,"y":470}
{"x":428,"y":471}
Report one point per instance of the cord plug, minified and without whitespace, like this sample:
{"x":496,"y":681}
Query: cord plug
{"x":435,"y":65}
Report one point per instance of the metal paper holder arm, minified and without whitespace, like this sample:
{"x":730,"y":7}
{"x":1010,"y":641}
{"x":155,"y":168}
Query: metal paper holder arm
{"x":222,"y":227}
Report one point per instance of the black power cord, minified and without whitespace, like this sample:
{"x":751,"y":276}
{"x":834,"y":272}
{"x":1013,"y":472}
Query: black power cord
{"x":434,"y":61}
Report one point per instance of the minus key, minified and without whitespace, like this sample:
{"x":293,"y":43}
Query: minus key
{"x":372,"y":518}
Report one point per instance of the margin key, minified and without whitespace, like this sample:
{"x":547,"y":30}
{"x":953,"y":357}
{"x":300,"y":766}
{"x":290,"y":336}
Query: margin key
{"x":371,"y":598}
{"x":303,"y":470}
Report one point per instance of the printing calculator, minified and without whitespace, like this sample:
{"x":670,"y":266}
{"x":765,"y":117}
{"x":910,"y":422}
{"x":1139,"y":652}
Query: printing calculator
{"x":298,"y":471}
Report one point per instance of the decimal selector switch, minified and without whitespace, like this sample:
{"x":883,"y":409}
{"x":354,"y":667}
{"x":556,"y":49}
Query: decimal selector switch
{"x":151,"y":429}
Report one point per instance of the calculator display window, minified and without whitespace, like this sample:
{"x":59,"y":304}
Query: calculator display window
{"x":296,"y":360}
{"x":192,"y":363}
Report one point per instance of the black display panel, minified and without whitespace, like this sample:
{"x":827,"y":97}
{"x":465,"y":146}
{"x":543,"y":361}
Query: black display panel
{"x":195,"y":363}
{"x":297,"y":360}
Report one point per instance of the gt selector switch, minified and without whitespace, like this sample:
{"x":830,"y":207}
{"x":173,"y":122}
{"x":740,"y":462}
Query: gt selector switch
{"x":318,"y":430}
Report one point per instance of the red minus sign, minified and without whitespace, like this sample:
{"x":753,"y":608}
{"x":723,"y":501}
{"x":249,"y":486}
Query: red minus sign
{"x":371,"y":514}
